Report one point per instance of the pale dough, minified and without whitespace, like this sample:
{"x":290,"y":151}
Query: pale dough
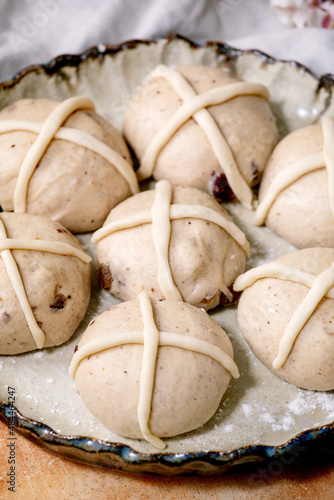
{"x":71,"y":184}
{"x":301,"y":213}
{"x":204,"y":259}
{"x":188,"y":386}
{"x":188,"y":159}
{"x":265,"y":310}
{"x":57,"y":286}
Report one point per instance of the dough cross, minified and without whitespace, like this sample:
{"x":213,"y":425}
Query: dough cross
{"x":160,"y":215}
{"x":8,"y":244}
{"x":194,"y":106}
{"x":52,"y":129}
{"x":152,"y":339}
{"x":320,"y":286}
{"x":302,"y":167}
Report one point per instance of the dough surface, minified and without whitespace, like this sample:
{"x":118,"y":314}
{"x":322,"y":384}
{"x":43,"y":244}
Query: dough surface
{"x":71,"y":184}
{"x":301,"y":213}
{"x":188,"y":386}
{"x":265,"y":309}
{"x":204,"y":259}
{"x":57,"y":286}
{"x":187,"y":159}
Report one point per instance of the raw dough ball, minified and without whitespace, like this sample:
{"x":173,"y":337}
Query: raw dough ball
{"x":265,"y":309}
{"x":204,"y":258}
{"x":188,"y":159}
{"x":188,"y":386}
{"x":57,"y":286}
{"x":301,"y":213}
{"x":71,"y":184}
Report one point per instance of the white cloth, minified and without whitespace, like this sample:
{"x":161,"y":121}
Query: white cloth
{"x":33,"y":32}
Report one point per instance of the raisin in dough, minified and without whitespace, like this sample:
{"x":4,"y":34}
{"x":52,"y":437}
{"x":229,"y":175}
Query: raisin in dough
{"x":71,"y":183}
{"x":246,"y":123}
{"x":266,"y":309}
{"x":202,"y":259}
{"x":185,"y":387}
{"x":302,"y":212}
{"x":57,"y":286}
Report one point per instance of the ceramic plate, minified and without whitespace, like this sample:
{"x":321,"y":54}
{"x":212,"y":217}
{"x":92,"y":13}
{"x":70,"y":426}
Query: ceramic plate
{"x":260,"y":417}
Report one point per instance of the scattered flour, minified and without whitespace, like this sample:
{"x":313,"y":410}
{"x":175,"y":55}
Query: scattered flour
{"x":228,"y":428}
{"x":247,"y":409}
{"x":38,"y":355}
{"x":302,"y":404}
{"x":268,"y":418}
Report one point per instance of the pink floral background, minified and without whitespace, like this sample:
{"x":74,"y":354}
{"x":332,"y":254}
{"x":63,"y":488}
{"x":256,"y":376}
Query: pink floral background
{"x":302,"y":13}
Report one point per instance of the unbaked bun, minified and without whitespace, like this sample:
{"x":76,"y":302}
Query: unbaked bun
{"x":71,"y":183}
{"x":191,"y":252}
{"x":133,"y":375}
{"x":221,"y":147}
{"x":286,"y":316}
{"x":302,"y":164}
{"x":44,"y":283}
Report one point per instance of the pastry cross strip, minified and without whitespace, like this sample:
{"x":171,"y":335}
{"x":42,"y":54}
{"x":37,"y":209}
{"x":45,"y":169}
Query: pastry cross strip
{"x":52,"y":129}
{"x":302,"y":167}
{"x":320,"y":286}
{"x":194,"y":106}
{"x":57,"y":247}
{"x":152,"y":339}
{"x":160,"y":215}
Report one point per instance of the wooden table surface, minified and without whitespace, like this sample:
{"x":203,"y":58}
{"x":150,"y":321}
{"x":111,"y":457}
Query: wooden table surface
{"x":38,"y":471}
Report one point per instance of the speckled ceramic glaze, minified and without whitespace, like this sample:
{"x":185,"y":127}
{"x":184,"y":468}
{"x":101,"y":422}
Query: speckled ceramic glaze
{"x":260,"y":417}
